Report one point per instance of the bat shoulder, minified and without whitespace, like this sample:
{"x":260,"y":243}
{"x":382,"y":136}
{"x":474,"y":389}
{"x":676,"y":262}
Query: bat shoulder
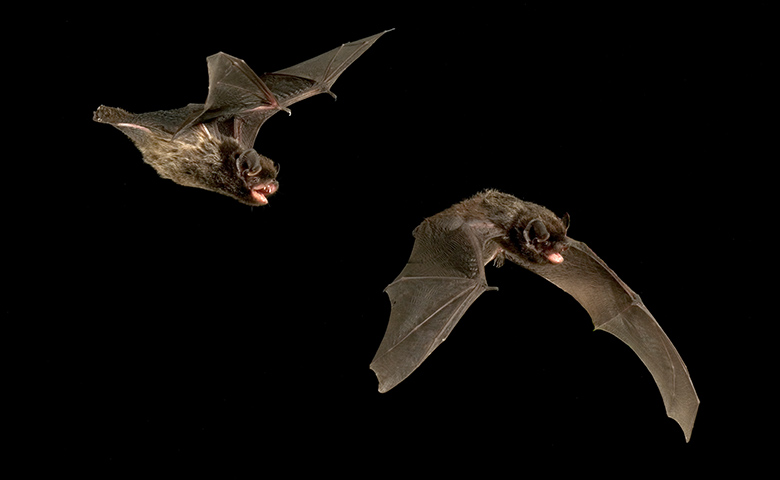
{"x":442,"y":222}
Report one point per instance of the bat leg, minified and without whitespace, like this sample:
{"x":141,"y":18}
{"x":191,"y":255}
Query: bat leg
{"x":498,"y":260}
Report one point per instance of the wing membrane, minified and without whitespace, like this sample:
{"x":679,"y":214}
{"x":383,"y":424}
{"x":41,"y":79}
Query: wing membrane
{"x":615,"y":308}
{"x":444,"y":276}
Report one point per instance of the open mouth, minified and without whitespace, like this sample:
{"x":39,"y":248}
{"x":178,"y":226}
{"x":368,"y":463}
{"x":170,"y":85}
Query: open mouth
{"x":260,"y":192}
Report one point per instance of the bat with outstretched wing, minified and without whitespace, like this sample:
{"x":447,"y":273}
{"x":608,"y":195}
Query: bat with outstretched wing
{"x":445,"y":275}
{"x":211,"y":145}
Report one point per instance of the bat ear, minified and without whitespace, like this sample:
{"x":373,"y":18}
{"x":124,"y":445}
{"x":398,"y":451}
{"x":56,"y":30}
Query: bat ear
{"x":539,"y":230}
{"x":566,"y":219}
{"x":248,"y":163}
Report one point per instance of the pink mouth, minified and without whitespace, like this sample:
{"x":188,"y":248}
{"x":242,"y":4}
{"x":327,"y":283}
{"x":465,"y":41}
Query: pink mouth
{"x":261,"y":192}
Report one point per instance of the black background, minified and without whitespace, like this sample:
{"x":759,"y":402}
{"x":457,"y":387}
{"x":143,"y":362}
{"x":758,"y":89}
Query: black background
{"x":172,"y":328}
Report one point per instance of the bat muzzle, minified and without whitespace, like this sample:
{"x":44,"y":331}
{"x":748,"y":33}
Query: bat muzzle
{"x":261,"y":192}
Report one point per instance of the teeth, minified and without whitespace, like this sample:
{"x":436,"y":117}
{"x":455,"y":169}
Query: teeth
{"x":259,"y":193}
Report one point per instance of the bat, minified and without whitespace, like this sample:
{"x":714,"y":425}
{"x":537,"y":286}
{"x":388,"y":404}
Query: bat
{"x":211,"y":145}
{"x":446,"y":274}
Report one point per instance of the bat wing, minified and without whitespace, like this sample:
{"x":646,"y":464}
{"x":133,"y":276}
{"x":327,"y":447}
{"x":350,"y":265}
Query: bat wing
{"x":443,"y":277}
{"x":321,"y":72}
{"x":237,"y":94}
{"x":615,"y":308}
{"x":234,"y":89}
{"x":138,"y":125}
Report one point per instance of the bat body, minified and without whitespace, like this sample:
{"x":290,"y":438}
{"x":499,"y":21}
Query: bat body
{"x":211,"y":145}
{"x":446,"y":274}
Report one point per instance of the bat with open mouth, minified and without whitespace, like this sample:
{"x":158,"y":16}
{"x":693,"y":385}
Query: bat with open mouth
{"x":211,"y":145}
{"x":446,"y":274}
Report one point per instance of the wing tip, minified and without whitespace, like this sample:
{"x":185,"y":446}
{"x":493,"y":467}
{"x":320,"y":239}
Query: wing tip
{"x":365,"y":43}
{"x":385,"y":384}
{"x":371,"y":38}
{"x":687,"y":430}
{"x":686,"y":420}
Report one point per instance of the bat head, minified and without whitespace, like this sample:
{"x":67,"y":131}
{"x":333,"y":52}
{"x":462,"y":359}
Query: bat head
{"x":258,"y":175}
{"x":240,"y":173}
{"x":542,"y":239}
{"x":214,"y":162}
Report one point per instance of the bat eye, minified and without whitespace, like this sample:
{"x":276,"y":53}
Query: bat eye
{"x":543,"y":245}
